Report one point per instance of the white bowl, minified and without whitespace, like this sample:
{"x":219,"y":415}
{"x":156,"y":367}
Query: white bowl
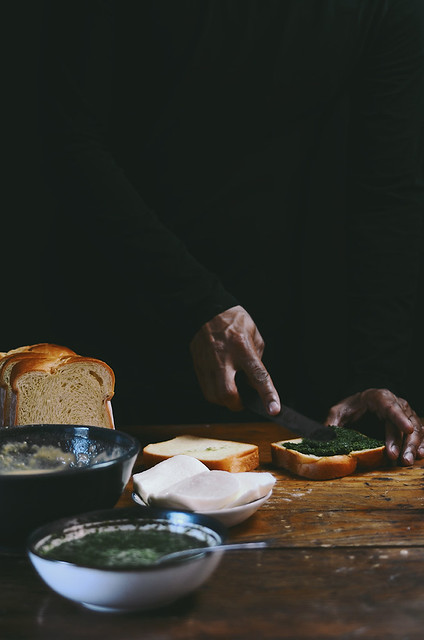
{"x":122,"y":590}
{"x":228,"y":517}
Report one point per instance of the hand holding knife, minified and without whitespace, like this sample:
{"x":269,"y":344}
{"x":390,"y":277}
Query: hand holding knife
{"x":289,"y":418}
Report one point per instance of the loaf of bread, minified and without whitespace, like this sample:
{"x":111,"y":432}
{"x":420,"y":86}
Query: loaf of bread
{"x":223,"y":455}
{"x":319,"y":460}
{"x":50,"y":384}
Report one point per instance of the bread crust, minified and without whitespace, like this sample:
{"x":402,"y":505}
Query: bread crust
{"x":50,"y":365}
{"x":370,"y":458}
{"x":325,"y":467}
{"x":234,"y":464}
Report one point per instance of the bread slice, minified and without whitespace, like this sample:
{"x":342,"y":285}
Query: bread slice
{"x":326,"y":467}
{"x":49,"y":384}
{"x":370,"y":458}
{"x":38,"y":352}
{"x":224,"y":455}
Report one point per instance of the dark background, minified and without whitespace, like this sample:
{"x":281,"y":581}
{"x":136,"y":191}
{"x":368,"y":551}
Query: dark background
{"x":24,"y":310}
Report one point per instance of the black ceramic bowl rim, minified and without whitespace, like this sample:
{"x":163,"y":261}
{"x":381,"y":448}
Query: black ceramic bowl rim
{"x":129,"y":514}
{"x":104,"y":433}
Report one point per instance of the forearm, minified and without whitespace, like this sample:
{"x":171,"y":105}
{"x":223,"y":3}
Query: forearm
{"x":95,"y":192}
{"x":386,"y":198}
{"x":383,"y":268}
{"x":108,"y":212}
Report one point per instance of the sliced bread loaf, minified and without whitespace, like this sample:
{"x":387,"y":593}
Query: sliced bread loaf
{"x":38,"y":353}
{"x":49,"y":384}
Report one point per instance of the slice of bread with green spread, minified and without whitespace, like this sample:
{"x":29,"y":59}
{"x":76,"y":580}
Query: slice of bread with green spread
{"x":336,"y":458}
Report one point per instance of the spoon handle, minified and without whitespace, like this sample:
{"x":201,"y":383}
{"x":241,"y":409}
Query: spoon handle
{"x":218,"y":547}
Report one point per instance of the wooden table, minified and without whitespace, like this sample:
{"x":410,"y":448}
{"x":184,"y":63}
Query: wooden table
{"x":347,"y":562}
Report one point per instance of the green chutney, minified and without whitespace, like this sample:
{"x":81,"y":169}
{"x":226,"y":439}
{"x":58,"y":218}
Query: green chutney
{"x":121,"y":549}
{"x":346,"y":440}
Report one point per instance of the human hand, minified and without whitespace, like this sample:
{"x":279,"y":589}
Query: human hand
{"x":404,"y":430}
{"x":228,"y":343}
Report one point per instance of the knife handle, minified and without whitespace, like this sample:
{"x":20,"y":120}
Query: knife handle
{"x":249,"y":396}
{"x":288,"y":417}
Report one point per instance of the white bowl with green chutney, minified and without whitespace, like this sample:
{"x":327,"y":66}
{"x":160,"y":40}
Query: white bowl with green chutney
{"x":103,"y":560}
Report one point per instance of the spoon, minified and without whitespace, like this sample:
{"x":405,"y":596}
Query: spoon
{"x":185,"y":553}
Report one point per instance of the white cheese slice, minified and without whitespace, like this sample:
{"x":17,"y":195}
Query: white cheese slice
{"x":165,"y":474}
{"x":208,"y":491}
{"x":253,"y":486}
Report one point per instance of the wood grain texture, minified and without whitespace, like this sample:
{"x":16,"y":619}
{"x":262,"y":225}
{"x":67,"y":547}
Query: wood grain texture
{"x":282,"y":593}
{"x":382,"y":507}
{"x":346,"y":562}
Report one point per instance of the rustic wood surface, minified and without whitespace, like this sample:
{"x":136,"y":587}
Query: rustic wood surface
{"x":347,"y":561}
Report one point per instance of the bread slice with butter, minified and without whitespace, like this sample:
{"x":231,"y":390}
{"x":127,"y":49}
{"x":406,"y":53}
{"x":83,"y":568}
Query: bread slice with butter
{"x":328,"y":460}
{"x":222,"y":455}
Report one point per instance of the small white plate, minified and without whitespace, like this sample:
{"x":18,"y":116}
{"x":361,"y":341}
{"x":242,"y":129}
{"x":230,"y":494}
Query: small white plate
{"x":228,"y":517}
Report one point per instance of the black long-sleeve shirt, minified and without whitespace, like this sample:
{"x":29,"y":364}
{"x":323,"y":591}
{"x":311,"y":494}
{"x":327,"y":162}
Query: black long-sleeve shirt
{"x":181,"y":138}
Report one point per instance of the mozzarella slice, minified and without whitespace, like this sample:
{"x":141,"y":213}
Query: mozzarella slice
{"x":252,"y":486}
{"x":165,"y":474}
{"x":208,"y":491}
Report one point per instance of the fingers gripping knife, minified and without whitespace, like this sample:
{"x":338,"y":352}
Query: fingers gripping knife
{"x":288,"y":418}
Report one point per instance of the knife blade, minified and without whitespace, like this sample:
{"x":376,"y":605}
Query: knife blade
{"x":289,"y":418}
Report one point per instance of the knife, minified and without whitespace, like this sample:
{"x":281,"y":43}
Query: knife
{"x":288,"y":418}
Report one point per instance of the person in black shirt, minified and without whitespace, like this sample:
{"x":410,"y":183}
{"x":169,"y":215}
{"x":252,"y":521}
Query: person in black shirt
{"x":184,"y":141}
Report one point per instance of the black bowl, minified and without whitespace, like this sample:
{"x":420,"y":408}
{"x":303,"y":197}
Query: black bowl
{"x":32,"y":499}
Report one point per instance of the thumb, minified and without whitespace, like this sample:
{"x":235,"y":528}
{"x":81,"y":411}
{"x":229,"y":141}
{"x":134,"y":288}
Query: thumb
{"x":338,"y":416}
{"x":345,"y":412}
{"x":260,"y":380}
